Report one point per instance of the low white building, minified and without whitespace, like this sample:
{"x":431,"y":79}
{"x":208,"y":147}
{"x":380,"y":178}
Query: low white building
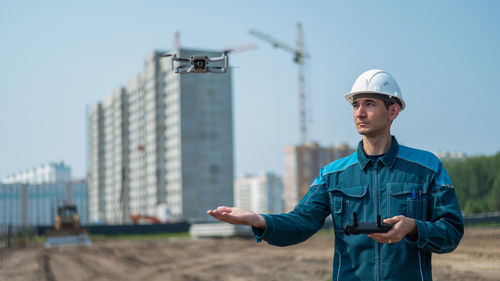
{"x":446,"y":155}
{"x":260,"y":194}
{"x":47,"y":173}
{"x":24,"y":204}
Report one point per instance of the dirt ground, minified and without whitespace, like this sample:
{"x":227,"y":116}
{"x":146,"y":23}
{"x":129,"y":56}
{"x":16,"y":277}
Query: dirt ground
{"x":477,"y":258}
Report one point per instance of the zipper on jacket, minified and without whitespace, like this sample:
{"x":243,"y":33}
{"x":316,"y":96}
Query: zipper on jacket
{"x":420,"y":266}
{"x":340,"y":265}
{"x":376,"y":207}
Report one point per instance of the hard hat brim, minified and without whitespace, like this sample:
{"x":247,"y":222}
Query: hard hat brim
{"x":350,"y":97}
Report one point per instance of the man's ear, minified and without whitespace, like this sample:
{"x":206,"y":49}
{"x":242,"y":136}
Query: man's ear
{"x":394,"y":110}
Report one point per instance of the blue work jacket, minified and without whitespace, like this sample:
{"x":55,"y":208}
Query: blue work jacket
{"x":404,"y":181}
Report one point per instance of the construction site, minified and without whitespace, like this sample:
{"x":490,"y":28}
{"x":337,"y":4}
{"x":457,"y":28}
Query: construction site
{"x":171,"y":140}
{"x":182,"y":258}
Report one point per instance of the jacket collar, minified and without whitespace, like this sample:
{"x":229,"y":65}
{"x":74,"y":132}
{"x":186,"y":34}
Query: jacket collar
{"x":387,"y":159}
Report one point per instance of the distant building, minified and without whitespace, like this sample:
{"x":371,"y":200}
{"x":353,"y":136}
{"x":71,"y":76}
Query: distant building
{"x":302,"y":165}
{"x":48,"y":173}
{"x":31,"y":197}
{"x":36,"y":204}
{"x":164,"y":140}
{"x":260,"y":194}
{"x":445,"y":155}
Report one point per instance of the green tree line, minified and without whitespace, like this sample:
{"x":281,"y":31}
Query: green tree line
{"x":477,"y":182}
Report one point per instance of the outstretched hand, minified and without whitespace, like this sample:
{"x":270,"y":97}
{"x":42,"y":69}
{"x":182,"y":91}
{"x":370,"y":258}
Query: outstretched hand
{"x":402,"y":226}
{"x":235,"y":215}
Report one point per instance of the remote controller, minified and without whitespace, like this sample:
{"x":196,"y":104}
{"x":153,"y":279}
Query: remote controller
{"x":366,"y":227}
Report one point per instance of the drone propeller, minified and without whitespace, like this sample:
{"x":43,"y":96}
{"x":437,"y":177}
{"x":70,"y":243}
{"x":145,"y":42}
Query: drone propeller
{"x":175,"y":58}
{"x":221,"y":58}
{"x":216,"y":69}
{"x":182,"y":67}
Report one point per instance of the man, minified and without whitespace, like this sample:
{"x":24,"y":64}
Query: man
{"x":409,"y":187}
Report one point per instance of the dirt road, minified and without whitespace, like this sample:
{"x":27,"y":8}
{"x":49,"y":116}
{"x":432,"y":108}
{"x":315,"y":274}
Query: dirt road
{"x":477,"y":258}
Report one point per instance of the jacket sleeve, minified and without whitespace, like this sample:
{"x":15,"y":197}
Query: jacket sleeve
{"x":444,"y":229}
{"x":301,"y":223}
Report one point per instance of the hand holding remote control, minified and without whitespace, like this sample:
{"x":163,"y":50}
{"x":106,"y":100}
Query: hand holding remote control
{"x":366,"y":227}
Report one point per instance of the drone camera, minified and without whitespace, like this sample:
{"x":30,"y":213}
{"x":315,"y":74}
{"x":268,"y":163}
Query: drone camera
{"x":199,"y":62}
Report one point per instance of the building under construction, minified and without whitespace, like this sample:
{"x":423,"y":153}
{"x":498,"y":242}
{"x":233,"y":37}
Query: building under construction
{"x":302,"y":165}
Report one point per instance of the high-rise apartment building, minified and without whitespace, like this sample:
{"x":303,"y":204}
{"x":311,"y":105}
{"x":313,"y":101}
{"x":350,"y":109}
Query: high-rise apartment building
{"x":260,"y":194}
{"x":163,"y":138}
{"x":302,"y":165}
{"x":48,"y":173}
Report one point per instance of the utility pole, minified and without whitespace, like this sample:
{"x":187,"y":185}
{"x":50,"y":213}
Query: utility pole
{"x":299,"y":55}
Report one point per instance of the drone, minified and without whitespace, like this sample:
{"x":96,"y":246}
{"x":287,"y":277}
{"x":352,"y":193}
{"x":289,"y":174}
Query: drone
{"x":198,"y":64}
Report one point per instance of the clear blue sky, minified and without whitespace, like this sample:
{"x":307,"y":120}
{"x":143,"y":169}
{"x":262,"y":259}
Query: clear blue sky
{"x":57,"y":57}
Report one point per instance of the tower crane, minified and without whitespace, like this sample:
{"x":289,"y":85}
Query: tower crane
{"x":299,"y":55}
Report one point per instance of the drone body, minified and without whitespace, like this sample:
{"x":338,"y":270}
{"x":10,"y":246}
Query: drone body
{"x":198,"y":64}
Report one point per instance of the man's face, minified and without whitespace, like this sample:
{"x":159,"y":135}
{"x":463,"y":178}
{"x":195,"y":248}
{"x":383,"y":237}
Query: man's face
{"x":371,"y":117}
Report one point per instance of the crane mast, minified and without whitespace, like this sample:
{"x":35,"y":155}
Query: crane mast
{"x":299,"y":55}
{"x":302,"y":86}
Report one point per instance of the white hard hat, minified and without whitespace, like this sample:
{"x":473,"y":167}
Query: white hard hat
{"x":376,"y":81}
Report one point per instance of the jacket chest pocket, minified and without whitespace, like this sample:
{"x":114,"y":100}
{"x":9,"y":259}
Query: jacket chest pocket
{"x":345,"y":201}
{"x":409,"y":200}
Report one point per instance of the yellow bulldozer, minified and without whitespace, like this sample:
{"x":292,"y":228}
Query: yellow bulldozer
{"x":67,"y":230}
